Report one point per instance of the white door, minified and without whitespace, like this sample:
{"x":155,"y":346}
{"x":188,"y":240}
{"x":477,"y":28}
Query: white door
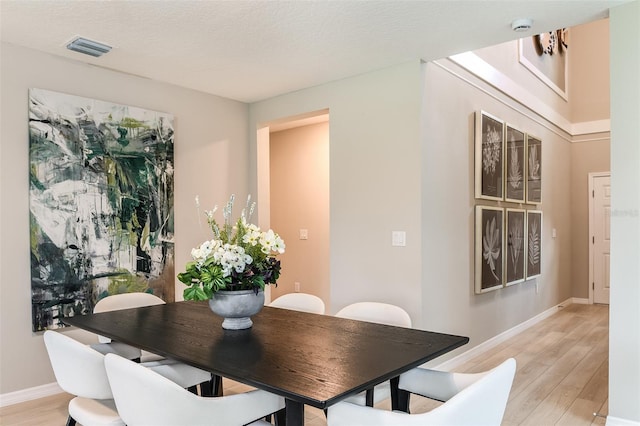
{"x":600,"y":237}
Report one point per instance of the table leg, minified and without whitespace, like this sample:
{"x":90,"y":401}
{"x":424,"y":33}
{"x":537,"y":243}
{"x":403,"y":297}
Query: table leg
{"x":369,"y":397}
{"x":399,"y":397}
{"x":295,"y":413}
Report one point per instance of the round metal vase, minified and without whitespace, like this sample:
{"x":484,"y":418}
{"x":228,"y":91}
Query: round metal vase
{"x":236,"y":307}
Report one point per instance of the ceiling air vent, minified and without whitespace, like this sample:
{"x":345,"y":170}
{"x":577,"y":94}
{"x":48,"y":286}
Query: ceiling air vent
{"x":88,"y":47}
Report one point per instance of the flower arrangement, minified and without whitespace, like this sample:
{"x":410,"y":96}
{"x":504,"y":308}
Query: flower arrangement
{"x":239,"y":257}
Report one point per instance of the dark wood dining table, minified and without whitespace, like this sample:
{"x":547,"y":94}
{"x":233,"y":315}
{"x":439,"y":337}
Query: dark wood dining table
{"x":308,"y":359}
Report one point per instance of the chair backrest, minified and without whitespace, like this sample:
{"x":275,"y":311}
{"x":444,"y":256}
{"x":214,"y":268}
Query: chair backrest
{"x":300,"y":302}
{"x":124,"y":301}
{"x":381,"y":313}
{"x":79,"y":370}
{"x":143,"y":397}
{"x":481,"y":403}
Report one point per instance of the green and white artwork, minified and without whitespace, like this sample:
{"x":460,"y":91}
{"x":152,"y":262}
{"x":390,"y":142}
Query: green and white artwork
{"x":101,"y":203}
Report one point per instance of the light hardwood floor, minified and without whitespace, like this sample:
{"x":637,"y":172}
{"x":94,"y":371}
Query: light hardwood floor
{"x":561,"y":378}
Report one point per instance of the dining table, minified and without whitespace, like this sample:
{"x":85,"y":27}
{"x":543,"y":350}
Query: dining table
{"x":309,"y":359}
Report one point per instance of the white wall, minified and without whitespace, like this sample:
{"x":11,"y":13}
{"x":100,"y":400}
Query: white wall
{"x":624,"y":326}
{"x":374,"y":181}
{"x":211,"y":159}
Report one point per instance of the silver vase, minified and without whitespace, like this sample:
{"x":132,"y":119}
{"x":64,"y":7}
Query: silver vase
{"x":236,"y":307}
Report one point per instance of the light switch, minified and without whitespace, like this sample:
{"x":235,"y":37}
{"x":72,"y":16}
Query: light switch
{"x":553,"y":233}
{"x":304,"y":234}
{"x":398,"y":238}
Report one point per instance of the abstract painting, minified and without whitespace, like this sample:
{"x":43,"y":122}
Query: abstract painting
{"x":534,"y":243}
{"x":489,"y":248}
{"x":534,"y":170}
{"x":515,"y":257}
{"x":101,"y":204}
{"x":489,"y":154}
{"x":514,"y":165}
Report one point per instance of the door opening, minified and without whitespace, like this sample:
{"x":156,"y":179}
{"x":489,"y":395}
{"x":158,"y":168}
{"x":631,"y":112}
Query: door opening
{"x":293,"y":197}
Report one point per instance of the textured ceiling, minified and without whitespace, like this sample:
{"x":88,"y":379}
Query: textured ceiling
{"x":253,"y":50}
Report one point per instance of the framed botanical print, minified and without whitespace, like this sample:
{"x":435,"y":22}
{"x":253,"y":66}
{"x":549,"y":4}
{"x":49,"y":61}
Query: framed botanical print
{"x":514,"y":170}
{"x":534,"y":243}
{"x":489,"y":156}
{"x":534,"y":170}
{"x":489,"y":265}
{"x":515,"y":235}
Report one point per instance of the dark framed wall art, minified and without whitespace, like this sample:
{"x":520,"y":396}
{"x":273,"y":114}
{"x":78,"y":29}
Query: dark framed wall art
{"x":514,"y":165}
{"x":489,"y":247}
{"x":489,"y":157}
{"x":514,"y":251}
{"x":534,"y":243}
{"x":534,"y":170}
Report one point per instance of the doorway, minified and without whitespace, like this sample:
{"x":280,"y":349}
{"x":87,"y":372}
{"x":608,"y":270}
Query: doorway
{"x":599,"y":231}
{"x":293,"y":187}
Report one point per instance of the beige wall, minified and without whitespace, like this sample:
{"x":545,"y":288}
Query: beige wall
{"x":299,"y":164}
{"x":586,"y":157}
{"x":210,"y":160}
{"x":589,"y":71}
{"x":505,"y":58}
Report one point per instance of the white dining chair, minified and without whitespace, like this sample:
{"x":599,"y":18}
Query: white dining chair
{"x":474,"y":400}
{"x":118,"y":302}
{"x":303,"y":302}
{"x":79,"y":370}
{"x":381,"y":313}
{"x":191,"y":376}
{"x":144,"y":398}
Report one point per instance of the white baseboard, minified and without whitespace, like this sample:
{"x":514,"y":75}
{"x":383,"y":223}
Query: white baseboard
{"x":29,"y":394}
{"x":617,"y":421}
{"x":483,"y":347}
{"x":580,"y":300}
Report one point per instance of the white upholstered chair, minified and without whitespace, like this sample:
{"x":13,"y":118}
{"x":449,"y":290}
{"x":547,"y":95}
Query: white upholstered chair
{"x":381,"y":313}
{"x":146,"y":398}
{"x":300,"y":302}
{"x":79,"y":370}
{"x":117,"y":302}
{"x":191,"y":376}
{"x":471,"y":400}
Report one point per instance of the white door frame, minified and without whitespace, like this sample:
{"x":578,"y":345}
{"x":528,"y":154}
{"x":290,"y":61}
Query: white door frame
{"x":592,"y":176}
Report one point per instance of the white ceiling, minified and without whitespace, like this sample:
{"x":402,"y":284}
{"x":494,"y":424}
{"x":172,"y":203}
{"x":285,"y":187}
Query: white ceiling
{"x":253,"y":50}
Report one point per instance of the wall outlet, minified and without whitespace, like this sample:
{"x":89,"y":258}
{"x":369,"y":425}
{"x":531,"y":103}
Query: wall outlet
{"x":304,"y":234}
{"x":296,"y":287}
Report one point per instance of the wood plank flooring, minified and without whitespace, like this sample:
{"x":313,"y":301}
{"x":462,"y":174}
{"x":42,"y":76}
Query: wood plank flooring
{"x":561,"y":378}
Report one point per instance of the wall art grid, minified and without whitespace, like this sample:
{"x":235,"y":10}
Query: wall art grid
{"x":508,"y":169}
{"x":101,"y":203}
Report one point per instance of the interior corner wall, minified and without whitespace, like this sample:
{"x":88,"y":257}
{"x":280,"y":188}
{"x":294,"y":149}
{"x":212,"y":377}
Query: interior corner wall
{"x":211,"y":160}
{"x":451,"y":96}
{"x":299,"y":180}
{"x":374,"y":181}
{"x":586,"y":157}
